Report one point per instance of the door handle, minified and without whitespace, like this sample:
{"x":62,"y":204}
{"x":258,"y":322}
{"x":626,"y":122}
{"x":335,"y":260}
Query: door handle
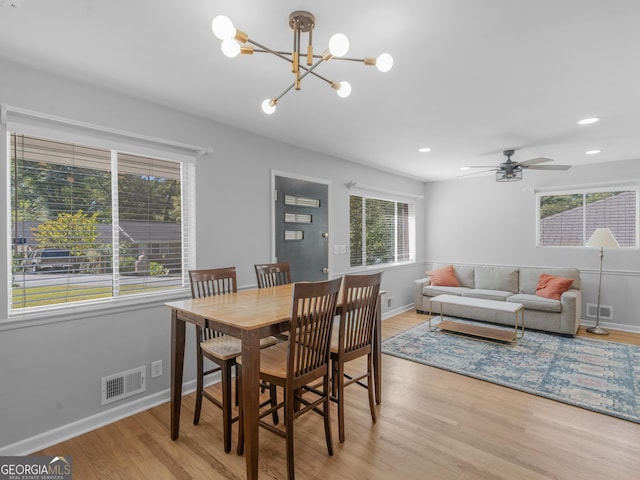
{"x":325,"y":234}
{"x":325,"y":270}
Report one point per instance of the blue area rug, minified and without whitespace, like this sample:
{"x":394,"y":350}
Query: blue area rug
{"x":593,"y":374}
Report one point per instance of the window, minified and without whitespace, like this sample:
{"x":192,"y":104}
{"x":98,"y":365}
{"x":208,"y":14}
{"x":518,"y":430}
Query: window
{"x":92,"y":223}
{"x":382,"y":230}
{"x":569,"y":219}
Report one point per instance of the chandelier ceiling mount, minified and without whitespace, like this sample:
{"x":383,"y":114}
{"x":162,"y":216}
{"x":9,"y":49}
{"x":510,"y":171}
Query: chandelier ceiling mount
{"x":236,"y":42}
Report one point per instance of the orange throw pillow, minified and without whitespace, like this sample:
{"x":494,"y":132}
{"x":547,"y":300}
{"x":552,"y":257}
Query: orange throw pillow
{"x":443,"y":277}
{"x":550,"y":286}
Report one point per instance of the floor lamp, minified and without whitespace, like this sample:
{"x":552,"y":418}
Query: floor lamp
{"x":602,"y":238}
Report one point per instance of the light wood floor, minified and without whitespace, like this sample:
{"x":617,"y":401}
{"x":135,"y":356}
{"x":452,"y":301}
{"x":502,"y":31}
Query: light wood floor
{"x":431,"y":425}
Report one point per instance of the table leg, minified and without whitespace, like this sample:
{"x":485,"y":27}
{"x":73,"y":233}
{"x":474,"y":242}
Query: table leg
{"x":177,"y":363}
{"x":251,"y":400}
{"x":377,"y":352}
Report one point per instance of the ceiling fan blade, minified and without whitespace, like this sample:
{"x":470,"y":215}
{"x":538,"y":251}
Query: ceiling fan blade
{"x":535,"y":161}
{"x":547,"y":167}
{"x":478,"y":173}
{"x":482,"y":166}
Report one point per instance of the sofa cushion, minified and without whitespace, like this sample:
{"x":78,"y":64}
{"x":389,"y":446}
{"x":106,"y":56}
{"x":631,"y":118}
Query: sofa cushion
{"x":496,"y":278}
{"x":443,"y":277}
{"x":529,"y":277}
{"x":550,"y":286}
{"x":465,"y":275}
{"x":487,"y":294}
{"x":432,"y":291}
{"x":534,"y":302}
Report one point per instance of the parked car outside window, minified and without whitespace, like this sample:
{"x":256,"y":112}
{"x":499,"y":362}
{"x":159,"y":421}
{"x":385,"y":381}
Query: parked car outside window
{"x":52,"y":259}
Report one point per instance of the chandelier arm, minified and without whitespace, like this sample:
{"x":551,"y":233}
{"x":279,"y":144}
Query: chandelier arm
{"x":286,"y":90}
{"x":310,"y":71}
{"x":283,"y":55}
{"x":361,"y":60}
{"x":268,"y":50}
{"x":307,"y":72}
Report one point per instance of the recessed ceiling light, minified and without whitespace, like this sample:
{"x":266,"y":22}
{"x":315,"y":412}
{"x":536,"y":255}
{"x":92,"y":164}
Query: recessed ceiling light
{"x":588,"y":121}
{"x":424,"y":149}
{"x":592,"y":152}
{"x":465,"y":168}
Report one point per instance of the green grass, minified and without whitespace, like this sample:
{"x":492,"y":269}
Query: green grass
{"x":57,"y":294}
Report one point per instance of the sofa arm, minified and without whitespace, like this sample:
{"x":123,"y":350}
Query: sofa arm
{"x":420,"y":301}
{"x":571,"y":315}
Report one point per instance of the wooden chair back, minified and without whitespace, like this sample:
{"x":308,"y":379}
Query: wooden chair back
{"x":312,"y":313}
{"x":213,"y":281}
{"x":273,"y":274}
{"x":210,"y":282}
{"x":358,"y":316}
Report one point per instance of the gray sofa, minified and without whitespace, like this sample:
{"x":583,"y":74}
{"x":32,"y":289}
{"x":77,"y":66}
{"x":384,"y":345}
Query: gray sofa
{"x":510,"y":284}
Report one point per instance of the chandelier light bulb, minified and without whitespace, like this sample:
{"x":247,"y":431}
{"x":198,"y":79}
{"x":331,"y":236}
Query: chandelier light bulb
{"x":223,"y":27}
{"x":267,"y":107}
{"x":345,"y":89}
{"x":230,"y":47}
{"x":339,"y":45}
{"x":384,"y":62}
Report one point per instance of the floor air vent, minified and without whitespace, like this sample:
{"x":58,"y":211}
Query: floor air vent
{"x":123,"y":385}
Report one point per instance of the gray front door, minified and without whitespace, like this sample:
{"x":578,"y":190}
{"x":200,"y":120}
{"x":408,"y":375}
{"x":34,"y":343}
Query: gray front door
{"x":302,"y":228}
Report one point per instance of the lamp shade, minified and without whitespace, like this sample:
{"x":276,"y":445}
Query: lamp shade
{"x":602,"y":238}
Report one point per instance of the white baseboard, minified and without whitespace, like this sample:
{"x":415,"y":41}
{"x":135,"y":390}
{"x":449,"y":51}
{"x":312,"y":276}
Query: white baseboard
{"x":612,"y":326}
{"x":71,"y":430}
{"x":395,"y":311}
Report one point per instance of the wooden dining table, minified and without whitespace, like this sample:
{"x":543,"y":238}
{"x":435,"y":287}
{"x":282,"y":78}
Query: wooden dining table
{"x":248,"y":315}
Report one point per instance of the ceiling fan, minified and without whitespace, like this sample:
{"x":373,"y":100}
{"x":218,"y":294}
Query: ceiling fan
{"x":510,"y":171}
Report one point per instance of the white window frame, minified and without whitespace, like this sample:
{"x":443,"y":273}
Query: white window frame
{"x":32,"y":123}
{"x":381,"y":194}
{"x":582,"y":191}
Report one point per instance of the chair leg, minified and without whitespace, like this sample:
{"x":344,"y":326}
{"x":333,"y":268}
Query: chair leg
{"x":199,"y":386}
{"x":327,"y":416}
{"x":288,"y":420}
{"x":339,"y":380}
{"x":274,"y":402}
{"x":334,"y":378}
{"x":237,"y":387}
{"x":240,"y":448}
{"x":225,"y":372}
{"x":370,"y":387}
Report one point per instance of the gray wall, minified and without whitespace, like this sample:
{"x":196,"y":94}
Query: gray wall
{"x":479,"y":221}
{"x":50,"y":372}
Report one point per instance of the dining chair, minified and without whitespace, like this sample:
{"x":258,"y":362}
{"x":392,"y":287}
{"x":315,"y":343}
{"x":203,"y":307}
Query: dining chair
{"x":223,"y":350}
{"x":273,"y":274}
{"x":303,"y":359}
{"x":354,"y":339}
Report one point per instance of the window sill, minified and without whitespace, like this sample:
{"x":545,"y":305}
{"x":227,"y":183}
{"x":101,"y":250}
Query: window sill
{"x":381,"y":266}
{"x":110,"y":306}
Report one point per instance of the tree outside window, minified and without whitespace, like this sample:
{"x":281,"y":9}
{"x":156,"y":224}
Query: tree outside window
{"x":380,"y":231}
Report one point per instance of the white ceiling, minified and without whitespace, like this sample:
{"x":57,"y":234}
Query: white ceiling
{"x":471,"y":77}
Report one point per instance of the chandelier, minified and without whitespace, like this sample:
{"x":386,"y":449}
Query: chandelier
{"x":236,"y":42}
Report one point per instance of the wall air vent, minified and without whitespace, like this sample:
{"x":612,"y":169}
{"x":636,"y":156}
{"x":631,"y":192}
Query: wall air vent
{"x":123,"y":385}
{"x":606,"y":311}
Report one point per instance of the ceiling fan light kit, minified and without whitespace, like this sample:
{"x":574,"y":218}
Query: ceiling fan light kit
{"x":512,"y":176}
{"x":236,"y":42}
